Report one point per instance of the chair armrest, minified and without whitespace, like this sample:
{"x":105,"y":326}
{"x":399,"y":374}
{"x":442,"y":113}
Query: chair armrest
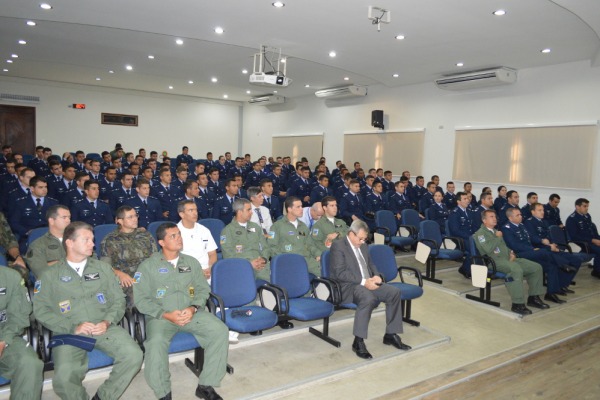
{"x":434,"y":245}
{"x":460,"y":242}
{"x":584,"y":246}
{"x":281,"y":297}
{"x":140,"y":323}
{"x":128,"y":322}
{"x":414,"y":270}
{"x":213,"y":302}
{"x":332,"y":286}
{"x":45,"y":352}
{"x":387,"y":232}
{"x":410,"y":228}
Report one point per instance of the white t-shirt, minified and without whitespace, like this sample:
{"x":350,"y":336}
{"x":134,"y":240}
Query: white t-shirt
{"x":197,"y":242}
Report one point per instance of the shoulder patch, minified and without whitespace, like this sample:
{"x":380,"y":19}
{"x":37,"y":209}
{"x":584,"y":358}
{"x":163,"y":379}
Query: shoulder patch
{"x":271,"y":234}
{"x":37,"y":287}
{"x":481,"y":238}
{"x":223,"y":239}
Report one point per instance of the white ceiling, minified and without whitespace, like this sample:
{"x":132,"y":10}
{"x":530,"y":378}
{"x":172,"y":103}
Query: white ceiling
{"x":81,"y":40}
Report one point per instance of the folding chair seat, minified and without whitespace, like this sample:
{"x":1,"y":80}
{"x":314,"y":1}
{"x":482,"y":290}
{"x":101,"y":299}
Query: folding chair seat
{"x":485,"y":291}
{"x":4,"y":381}
{"x":385,"y":222}
{"x":290,"y":282}
{"x":581,"y":249}
{"x":35,"y":234}
{"x":100,"y":231}
{"x":215,"y":226}
{"x":385,"y":261}
{"x":410,"y":223}
{"x":233,"y":285}
{"x":431,"y":236}
{"x":333,"y":289}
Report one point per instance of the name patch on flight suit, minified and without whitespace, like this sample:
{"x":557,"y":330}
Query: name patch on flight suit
{"x":163,"y":270}
{"x":184,"y":269}
{"x":137,"y":276}
{"x":3,"y":317}
{"x":101,"y":298}
{"x":291,"y":232}
{"x":92,"y":277}
{"x":65,"y":306}
{"x":52,"y":246}
{"x":238,"y":232}
{"x":66,"y":278}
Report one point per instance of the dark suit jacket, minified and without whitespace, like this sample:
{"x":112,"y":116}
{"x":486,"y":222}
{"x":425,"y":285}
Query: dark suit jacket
{"x":344,"y":266}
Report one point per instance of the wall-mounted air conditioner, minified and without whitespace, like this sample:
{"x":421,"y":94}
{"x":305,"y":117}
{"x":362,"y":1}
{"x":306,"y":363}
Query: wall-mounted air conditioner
{"x":344,"y":91}
{"x":267,"y":100}
{"x":478,"y":79}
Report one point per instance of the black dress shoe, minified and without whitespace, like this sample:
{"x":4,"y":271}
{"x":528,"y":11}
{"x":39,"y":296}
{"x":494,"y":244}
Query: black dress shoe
{"x":394,"y":340}
{"x":285,"y":325}
{"x":554,"y":298}
{"x":567,"y":290}
{"x":167,"y":397}
{"x":561,"y":292}
{"x":207,"y":393}
{"x":568,"y":269}
{"x":360,"y":349}
{"x":596,"y":274}
{"x":520,"y":309}
{"x":464,"y":273}
{"x":535,"y":301}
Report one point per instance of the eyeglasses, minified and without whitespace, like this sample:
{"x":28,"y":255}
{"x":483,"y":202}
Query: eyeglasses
{"x":362,"y":240}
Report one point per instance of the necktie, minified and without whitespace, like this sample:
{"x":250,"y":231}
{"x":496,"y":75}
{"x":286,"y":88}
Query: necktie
{"x":128,"y":192}
{"x":145,"y":204}
{"x":231,"y":201}
{"x":268,"y":201}
{"x":93,"y":205}
{"x":38,"y":203}
{"x":28,"y":192}
{"x":362,"y":263}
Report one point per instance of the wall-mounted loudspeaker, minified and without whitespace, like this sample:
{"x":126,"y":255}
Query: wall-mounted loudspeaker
{"x":377,"y":119}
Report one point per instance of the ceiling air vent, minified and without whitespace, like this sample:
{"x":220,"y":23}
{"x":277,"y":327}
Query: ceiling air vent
{"x":19,"y":98}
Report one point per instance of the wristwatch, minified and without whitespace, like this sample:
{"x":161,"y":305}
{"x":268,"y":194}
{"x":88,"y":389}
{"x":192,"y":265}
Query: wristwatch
{"x":195,"y":307}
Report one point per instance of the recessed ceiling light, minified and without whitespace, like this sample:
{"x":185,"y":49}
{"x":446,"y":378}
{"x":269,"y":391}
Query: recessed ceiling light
{"x":22,"y":42}
{"x":179,"y":41}
{"x":31,"y":23}
{"x":129,"y":68}
{"x":244,"y":71}
{"x":225,"y":96}
{"x":150,"y":56}
{"x":5,"y":70}
{"x":170,"y":87}
{"x":346,"y":78}
{"x":219,"y":30}
{"x":46,"y":6}
{"x":459,"y":64}
{"x":284,"y":60}
{"x":9,"y":61}
{"x":396,"y":75}
{"x":278,"y":4}
{"x":307,"y":85}
{"x":275,"y":91}
{"x":545,"y":51}
{"x":111,"y":71}
{"x":499,"y":13}
{"x":400,"y":37}
{"x":191,"y":82}
{"x":248,"y":92}
{"x":214,"y":80}
{"x":98,"y":79}
{"x":332,"y":54}
{"x":14,"y":55}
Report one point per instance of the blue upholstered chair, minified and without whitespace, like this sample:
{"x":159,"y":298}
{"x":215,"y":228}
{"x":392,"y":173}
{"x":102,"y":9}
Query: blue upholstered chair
{"x":36,"y":233}
{"x":100,"y":231}
{"x":385,"y":223}
{"x":215,"y":226}
{"x":485,"y":293}
{"x":430,"y":235}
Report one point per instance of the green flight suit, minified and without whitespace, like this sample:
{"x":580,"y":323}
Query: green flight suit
{"x":62,"y":301}
{"x":18,"y":362}
{"x":248,"y":243}
{"x":126,"y":251}
{"x":324,"y":227}
{"x":160,"y":287}
{"x":284,"y":237}
{"x":43,"y":250}
{"x":493,"y":246}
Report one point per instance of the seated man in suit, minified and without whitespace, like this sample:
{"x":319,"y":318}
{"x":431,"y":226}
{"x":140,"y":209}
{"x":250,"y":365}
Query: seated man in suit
{"x":362,"y":284}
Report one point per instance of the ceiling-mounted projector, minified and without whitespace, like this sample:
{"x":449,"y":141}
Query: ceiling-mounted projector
{"x":261,"y":78}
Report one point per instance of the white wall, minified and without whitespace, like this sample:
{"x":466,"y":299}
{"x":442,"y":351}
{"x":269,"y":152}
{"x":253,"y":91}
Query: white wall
{"x":165,"y":122}
{"x":559,"y":94}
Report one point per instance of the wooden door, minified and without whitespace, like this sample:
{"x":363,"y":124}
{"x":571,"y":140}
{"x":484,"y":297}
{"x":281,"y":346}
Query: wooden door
{"x":17,"y":128}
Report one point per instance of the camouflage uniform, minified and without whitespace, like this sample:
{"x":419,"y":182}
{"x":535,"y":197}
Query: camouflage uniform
{"x":284,"y":237}
{"x":248,"y":243}
{"x":43,"y":250}
{"x":126,"y":251}
{"x":7,"y":239}
{"x":324,"y":227}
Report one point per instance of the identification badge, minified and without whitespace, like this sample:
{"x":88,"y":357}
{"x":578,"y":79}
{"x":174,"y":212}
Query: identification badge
{"x":65,"y":306}
{"x":65,"y":278}
{"x":184,"y":269}
{"x":163,"y":270}
{"x":191,"y":290}
{"x":92,"y":277}
{"x":37,"y":287}
{"x":160,"y":293}
{"x":137,"y":276}
{"x":101,"y":298}
{"x":239,"y":248}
